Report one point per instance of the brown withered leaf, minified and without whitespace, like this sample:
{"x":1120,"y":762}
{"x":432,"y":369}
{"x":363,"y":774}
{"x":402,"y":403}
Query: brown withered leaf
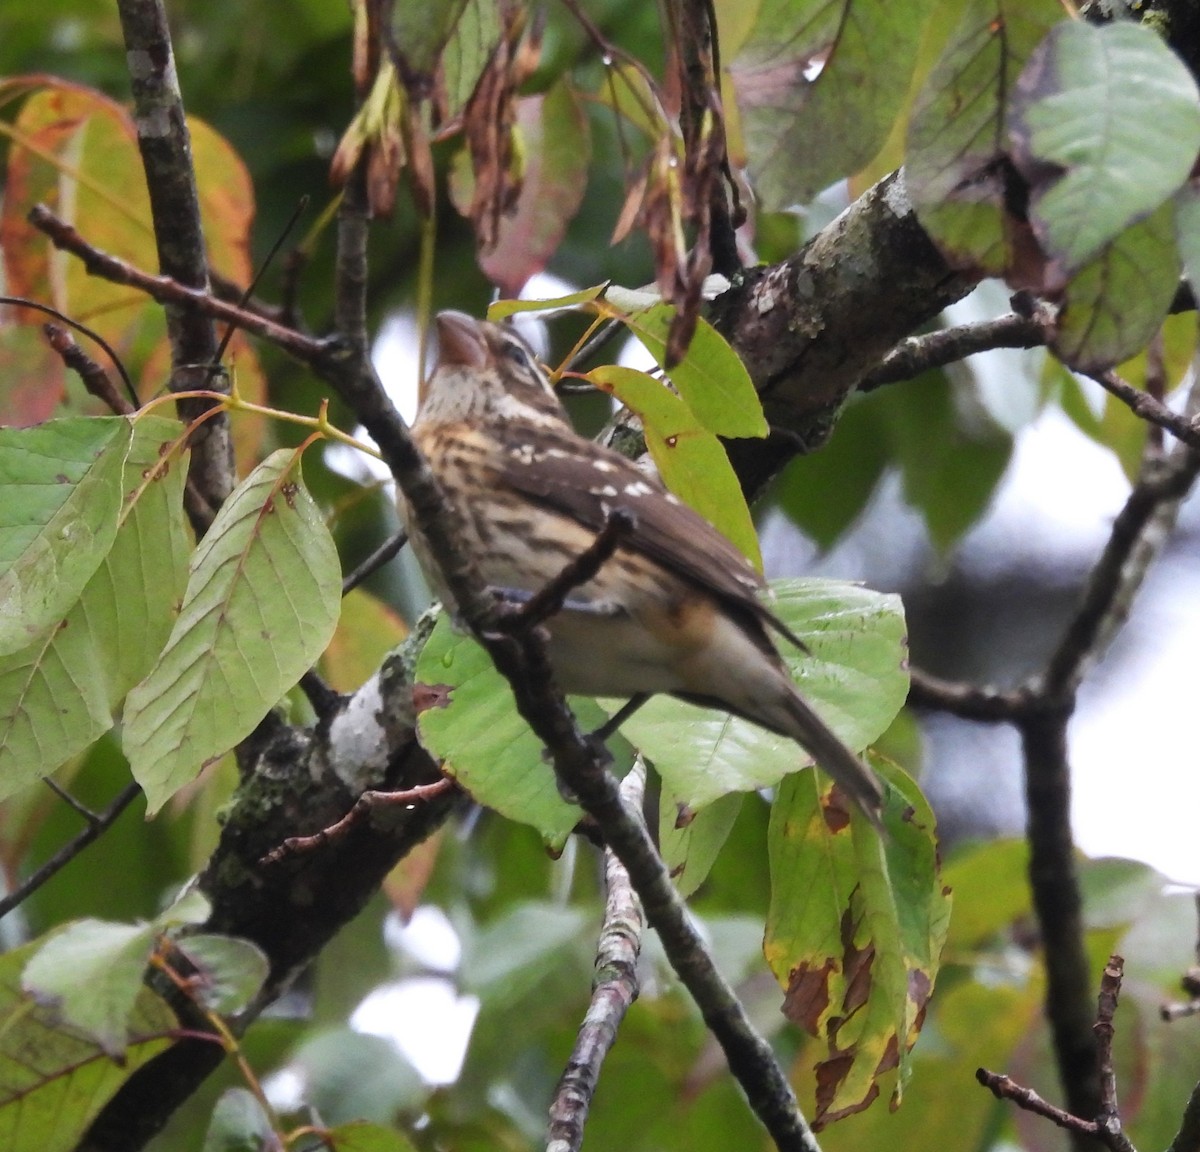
{"x":488,"y":121}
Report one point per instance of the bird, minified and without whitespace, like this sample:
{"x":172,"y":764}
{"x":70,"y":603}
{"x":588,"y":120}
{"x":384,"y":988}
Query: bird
{"x":675,"y":609}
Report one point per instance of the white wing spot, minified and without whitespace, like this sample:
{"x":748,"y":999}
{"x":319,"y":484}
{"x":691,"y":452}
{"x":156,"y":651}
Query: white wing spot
{"x":558,"y":454}
{"x":604,"y":466}
{"x":607,"y":490}
{"x":638,"y":488}
{"x":672,"y":498}
{"x":523,"y":452}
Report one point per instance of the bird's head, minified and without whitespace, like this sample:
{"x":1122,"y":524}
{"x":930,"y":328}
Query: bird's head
{"x":486,"y":373}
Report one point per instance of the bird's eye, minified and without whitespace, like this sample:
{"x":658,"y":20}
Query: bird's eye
{"x":517,"y":354}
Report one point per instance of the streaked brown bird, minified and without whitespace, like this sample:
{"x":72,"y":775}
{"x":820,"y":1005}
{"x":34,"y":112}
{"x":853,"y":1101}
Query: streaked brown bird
{"x":676,"y":608}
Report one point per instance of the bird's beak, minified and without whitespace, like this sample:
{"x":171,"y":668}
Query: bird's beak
{"x":460,"y":341}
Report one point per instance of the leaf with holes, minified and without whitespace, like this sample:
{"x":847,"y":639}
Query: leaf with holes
{"x":854,"y":933}
{"x":261,"y":604}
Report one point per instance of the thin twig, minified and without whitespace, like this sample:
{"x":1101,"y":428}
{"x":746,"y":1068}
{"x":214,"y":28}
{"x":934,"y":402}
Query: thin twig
{"x":91,"y":334}
{"x":88,"y":816}
{"x":367,"y":802}
{"x":1149,"y":408}
{"x":384,"y":554}
{"x":1005,"y":1088}
{"x":171,"y":292}
{"x":919,"y":354}
{"x":1106,"y":1128}
{"x":102,"y":821}
{"x":1109,"y":1116}
{"x":94,"y":378}
{"x":614,"y":989}
{"x":968,"y":701}
{"x":1137,"y":535}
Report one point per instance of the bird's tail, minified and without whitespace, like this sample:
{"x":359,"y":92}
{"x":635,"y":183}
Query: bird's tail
{"x":795,"y":717}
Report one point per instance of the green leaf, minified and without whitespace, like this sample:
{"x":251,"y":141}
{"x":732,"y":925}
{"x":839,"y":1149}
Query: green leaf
{"x":990,"y":883}
{"x":238,"y":1124}
{"x":690,"y":841}
{"x":55,"y":1080}
{"x":854,"y":675}
{"x":362,"y":1137}
{"x":1187,"y":225}
{"x":823,"y":492}
{"x":854,"y":933}
{"x":691,"y":460}
{"x":502,"y":309}
{"x":950,"y":451}
{"x":59,"y":694}
{"x":232,"y":971}
{"x":417,"y":32}
{"x":261,"y":605}
{"x":92,"y":971}
{"x":711,"y":378}
{"x":1105,"y":123}
{"x":62,"y":482}
{"x":1115,"y":304}
{"x":957,"y":139}
{"x":470,"y":46}
{"x":350,"y":1076}
{"x":819,"y":85}
{"x":555,"y":145}
{"x":471,"y":722}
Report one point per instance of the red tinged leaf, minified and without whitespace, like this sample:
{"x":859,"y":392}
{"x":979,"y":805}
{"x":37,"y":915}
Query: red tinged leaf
{"x":554,"y":144}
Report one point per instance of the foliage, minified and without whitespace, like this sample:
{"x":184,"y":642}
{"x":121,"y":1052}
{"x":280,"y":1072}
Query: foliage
{"x":141,"y":638}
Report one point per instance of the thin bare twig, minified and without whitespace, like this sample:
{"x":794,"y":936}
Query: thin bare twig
{"x":97,"y":825}
{"x":367,"y":802}
{"x":91,"y":334}
{"x":1106,"y":1127}
{"x":1109,"y":1116}
{"x":919,"y":354}
{"x":384,"y":554}
{"x":614,"y":989}
{"x":171,"y":292}
{"x":966,"y":700}
{"x":1149,"y":408}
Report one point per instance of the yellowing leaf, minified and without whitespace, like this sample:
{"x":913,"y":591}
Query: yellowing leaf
{"x":691,"y":460}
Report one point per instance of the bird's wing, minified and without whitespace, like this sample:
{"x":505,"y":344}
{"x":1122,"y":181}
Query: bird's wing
{"x":575,"y":477}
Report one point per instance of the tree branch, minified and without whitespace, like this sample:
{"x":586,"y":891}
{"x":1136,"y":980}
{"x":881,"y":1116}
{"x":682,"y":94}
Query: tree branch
{"x":165,"y":146}
{"x":809,"y":329}
{"x":1149,"y":408}
{"x":1106,"y":1127}
{"x":614,"y":989}
{"x":919,"y":354}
